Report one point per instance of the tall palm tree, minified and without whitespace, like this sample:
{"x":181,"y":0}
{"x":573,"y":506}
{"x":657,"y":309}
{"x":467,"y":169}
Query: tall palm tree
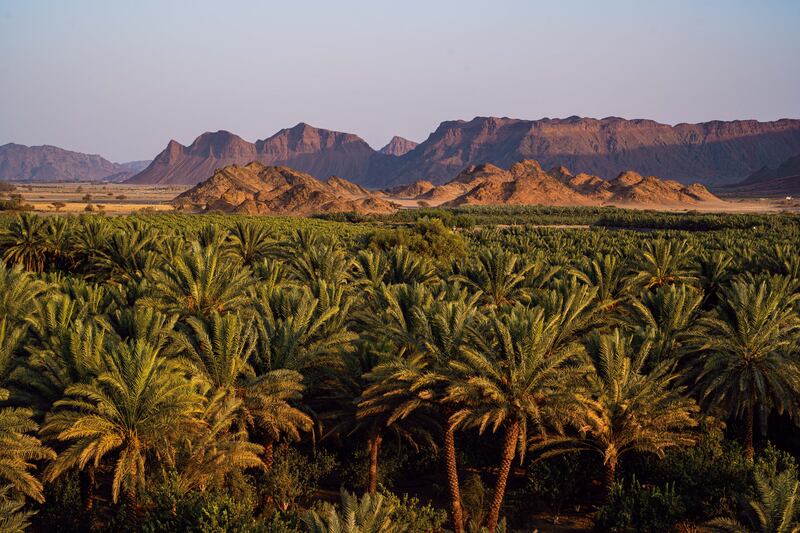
{"x":216,"y":448}
{"x":24,"y":242}
{"x":136,"y":408}
{"x":622,"y":409}
{"x":743,"y":363}
{"x":606,"y":273}
{"x":18,"y":448}
{"x":404,"y":386}
{"x":199,"y":282}
{"x":220,"y":349}
{"x":511,"y":378}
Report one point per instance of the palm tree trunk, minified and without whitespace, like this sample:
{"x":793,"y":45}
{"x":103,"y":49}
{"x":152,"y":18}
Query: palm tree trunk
{"x":375,"y":440}
{"x":87,"y":479}
{"x":611,"y":475}
{"x":509,"y":451}
{"x":131,"y":510}
{"x":749,"y":449}
{"x":456,"y":512}
{"x":269,"y":454}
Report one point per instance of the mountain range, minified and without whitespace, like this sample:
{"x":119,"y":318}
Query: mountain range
{"x":50,"y":163}
{"x":717,"y":152}
{"x":711,"y":152}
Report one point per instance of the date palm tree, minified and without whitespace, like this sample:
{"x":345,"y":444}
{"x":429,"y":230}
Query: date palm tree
{"x":511,"y":379}
{"x":670,"y":316}
{"x":19,"y":294}
{"x":220,"y":349}
{"x":135,"y":409}
{"x":369,"y":514}
{"x":776,"y":509}
{"x":498,"y":277}
{"x":607,"y":274}
{"x":622,"y":409}
{"x":251,"y":243}
{"x":743,"y":363}
{"x":19,"y":447}
{"x":663,"y":262}
{"x":24,"y":242}
{"x":405,"y":386}
{"x":14,"y":517}
{"x":199,"y":282}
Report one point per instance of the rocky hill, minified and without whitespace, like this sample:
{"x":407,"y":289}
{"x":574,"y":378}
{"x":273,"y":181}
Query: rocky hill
{"x":259,"y":189}
{"x":526,"y":183}
{"x":398,"y":146}
{"x":783,"y":180}
{"x":51,"y":164}
{"x":712,"y":152}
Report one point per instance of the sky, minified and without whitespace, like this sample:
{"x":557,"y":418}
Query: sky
{"x":123,"y":78}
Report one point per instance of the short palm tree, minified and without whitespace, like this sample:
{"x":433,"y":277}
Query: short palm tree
{"x":371,"y":513}
{"x":670,"y":316}
{"x":498,"y":276}
{"x":199,"y":282}
{"x":251,"y":243}
{"x":19,"y":294}
{"x":664,"y":262}
{"x":621,"y":409}
{"x":775,"y":510}
{"x":24,"y":242}
{"x":512,"y":378}
{"x":19,"y":447}
{"x":14,"y":517}
{"x":743,"y":362}
{"x":135,"y":409}
{"x":607,"y":274}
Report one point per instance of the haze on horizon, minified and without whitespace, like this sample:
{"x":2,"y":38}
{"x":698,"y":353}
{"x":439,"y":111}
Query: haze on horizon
{"x":121,"y":79}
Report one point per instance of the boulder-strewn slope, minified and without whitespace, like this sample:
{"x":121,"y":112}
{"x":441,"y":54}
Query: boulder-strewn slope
{"x":259,"y":189}
{"x":50,"y":163}
{"x":781,"y":181}
{"x":526,"y":183}
{"x":718,"y":151}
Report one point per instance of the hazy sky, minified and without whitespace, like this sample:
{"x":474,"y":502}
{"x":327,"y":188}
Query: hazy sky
{"x":123,"y":78}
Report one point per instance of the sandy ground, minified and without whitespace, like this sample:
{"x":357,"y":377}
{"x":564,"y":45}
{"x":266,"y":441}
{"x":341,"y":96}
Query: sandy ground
{"x":120,"y":199}
{"x":115,"y":198}
{"x":731,"y":205}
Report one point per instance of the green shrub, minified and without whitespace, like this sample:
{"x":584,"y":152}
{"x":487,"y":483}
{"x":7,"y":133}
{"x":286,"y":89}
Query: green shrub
{"x":293,"y":476}
{"x":638,"y":508}
{"x":410,"y":513}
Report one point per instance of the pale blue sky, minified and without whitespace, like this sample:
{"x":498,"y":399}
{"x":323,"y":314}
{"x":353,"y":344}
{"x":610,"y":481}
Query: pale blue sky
{"x":122,"y":78}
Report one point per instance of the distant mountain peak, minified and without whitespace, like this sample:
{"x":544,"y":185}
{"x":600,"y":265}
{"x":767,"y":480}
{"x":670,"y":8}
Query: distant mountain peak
{"x":398,"y":146}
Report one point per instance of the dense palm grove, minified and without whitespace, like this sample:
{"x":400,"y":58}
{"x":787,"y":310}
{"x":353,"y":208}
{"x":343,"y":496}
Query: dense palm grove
{"x":466,"y":373}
